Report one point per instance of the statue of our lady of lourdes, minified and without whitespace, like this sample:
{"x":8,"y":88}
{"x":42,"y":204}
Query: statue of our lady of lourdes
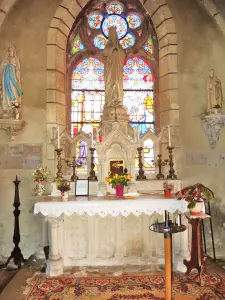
{"x":214,"y":92}
{"x":11,"y":92}
{"x":113,"y":57}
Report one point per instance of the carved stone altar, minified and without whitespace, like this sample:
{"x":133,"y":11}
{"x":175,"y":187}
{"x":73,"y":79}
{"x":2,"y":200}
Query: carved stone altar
{"x":108,"y":232}
{"x":212,"y":125}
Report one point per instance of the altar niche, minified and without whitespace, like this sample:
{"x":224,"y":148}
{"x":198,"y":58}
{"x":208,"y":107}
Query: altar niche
{"x":116,"y":166}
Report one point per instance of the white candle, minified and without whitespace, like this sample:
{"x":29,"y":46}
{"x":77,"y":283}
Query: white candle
{"x":58,"y":139}
{"x":178,"y":220}
{"x":169,"y":135}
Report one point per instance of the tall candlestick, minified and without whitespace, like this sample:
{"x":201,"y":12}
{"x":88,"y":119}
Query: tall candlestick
{"x":58,"y":139}
{"x":169,"y":135}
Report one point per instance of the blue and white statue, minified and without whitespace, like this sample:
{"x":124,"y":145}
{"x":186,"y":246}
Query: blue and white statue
{"x":10,"y":81}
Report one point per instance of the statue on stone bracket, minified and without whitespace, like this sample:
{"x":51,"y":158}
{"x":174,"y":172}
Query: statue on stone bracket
{"x":113,"y":57}
{"x":10,"y":85}
{"x":214,"y":92}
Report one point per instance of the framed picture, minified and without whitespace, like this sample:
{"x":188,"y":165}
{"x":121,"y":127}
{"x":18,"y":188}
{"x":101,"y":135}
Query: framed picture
{"x":116,"y":166}
{"x":82,"y":187}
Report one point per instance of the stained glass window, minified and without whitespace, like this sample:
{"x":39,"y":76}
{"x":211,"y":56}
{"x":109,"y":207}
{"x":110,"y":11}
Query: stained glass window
{"x":149,"y":156}
{"x":114,"y":8}
{"x":100,"y":41}
{"x":115,"y":21}
{"x":128,"y":41}
{"x":77,"y":45}
{"x":95,"y":20}
{"x":88,"y":75}
{"x":137,"y":74}
{"x":149,"y":46}
{"x":134,"y":21}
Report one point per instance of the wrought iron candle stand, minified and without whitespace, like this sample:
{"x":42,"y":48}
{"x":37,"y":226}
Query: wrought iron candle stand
{"x":172,"y":174}
{"x":141,"y":172}
{"x":160,"y":163}
{"x":74,"y":177}
{"x":92,"y":176}
{"x":59,"y":173}
{"x":168,"y":228}
{"x":16,"y":254}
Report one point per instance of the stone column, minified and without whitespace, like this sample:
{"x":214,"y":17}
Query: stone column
{"x":184,"y":252}
{"x":54,"y":262}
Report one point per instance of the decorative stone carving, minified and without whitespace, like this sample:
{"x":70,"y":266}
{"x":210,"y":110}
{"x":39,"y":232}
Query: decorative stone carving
{"x":212,"y":125}
{"x":214,"y":92}
{"x":78,"y":235}
{"x":12,"y":127}
{"x":106,"y":239}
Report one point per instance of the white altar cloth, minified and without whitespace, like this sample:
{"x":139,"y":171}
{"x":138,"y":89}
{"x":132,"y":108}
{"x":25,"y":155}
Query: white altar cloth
{"x":107,"y":232}
{"x":112,"y":208}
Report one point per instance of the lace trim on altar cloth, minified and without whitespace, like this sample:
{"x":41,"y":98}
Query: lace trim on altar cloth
{"x":110,"y":208}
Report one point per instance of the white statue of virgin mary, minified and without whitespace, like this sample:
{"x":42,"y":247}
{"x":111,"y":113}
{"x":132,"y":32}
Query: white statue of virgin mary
{"x":10,"y":80}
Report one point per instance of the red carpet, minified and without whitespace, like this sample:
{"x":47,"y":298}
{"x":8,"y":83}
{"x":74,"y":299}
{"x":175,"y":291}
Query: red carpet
{"x":129,"y":286}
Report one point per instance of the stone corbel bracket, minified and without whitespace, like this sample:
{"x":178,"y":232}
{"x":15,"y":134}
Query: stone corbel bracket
{"x":12,"y":127}
{"x":212,"y":125}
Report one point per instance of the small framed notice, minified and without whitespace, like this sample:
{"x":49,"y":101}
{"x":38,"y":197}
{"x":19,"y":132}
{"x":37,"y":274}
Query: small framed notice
{"x":82,"y":187}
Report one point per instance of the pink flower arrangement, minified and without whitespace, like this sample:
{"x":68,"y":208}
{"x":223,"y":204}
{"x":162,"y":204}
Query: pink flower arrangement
{"x":167,"y":186}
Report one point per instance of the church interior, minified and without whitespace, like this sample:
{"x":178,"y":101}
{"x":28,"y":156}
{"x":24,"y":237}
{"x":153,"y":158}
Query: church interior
{"x":111,"y":137}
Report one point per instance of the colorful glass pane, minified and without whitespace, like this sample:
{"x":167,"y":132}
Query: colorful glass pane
{"x":149,"y":156}
{"x":88,"y":75}
{"x":95,"y":20}
{"x":139,"y":105}
{"x":81,"y":155}
{"x":114,"y":8}
{"x":128,"y":41}
{"x":100,"y":41}
{"x":137,"y":74}
{"x":115,"y":21}
{"x":149,"y":46}
{"x":77,"y":45}
{"x":133,"y":20}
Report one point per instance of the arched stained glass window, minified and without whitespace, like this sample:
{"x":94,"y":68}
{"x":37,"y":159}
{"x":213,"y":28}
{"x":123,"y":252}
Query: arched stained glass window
{"x":87,"y":95}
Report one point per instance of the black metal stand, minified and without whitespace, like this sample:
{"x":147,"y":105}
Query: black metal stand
{"x":16,"y":254}
{"x":168,"y":228}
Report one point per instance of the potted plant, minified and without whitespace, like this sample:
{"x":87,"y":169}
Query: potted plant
{"x":39,"y":176}
{"x":63,"y":186}
{"x":167,"y":189}
{"x":195,"y":195}
{"x":118,"y":182}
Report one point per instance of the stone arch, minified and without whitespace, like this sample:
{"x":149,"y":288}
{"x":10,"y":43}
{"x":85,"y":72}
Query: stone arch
{"x":59,"y":29}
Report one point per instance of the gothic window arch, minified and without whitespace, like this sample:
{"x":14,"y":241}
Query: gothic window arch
{"x":136,"y":36}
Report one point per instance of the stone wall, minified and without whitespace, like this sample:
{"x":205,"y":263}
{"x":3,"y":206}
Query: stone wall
{"x":200,"y":47}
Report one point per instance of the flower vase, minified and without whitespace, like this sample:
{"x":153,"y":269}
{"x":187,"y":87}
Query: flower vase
{"x":198,"y":209}
{"x":167,"y":193}
{"x":17,"y":114}
{"x":39,"y":189}
{"x":119,"y":190}
{"x":65,"y":196}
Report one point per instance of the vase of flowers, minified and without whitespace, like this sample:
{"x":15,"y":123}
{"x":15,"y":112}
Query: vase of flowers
{"x":118,"y":182}
{"x":64,"y":187}
{"x":195,"y":195}
{"x":40,"y":176}
{"x":167,"y":189}
{"x":16,"y":109}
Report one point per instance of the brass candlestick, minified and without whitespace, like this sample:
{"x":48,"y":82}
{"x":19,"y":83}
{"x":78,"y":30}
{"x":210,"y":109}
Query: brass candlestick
{"x":141,"y":172}
{"x":59,"y":174}
{"x":172,"y":174}
{"x":92,"y":176}
{"x":160,"y":163}
{"x":74,"y":177}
